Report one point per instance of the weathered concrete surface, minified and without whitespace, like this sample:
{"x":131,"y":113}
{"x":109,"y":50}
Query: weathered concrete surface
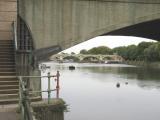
{"x":9,"y":112}
{"x":69,"y":22}
{"x":9,"y":116}
{"x":53,"y":111}
{"x":8,"y":11}
{"x":35,"y":83}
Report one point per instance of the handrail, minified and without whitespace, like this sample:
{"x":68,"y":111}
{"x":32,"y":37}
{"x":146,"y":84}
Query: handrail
{"x":24,"y":101}
{"x":37,"y":76}
{"x":14,"y":31}
{"x":15,"y":35}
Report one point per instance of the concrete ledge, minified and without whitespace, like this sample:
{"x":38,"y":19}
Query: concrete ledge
{"x":9,"y":112}
{"x":53,"y":111}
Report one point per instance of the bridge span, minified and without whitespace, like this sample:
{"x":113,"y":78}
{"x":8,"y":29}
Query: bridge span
{"x":59,"y":24}
{"x":86,"y":58}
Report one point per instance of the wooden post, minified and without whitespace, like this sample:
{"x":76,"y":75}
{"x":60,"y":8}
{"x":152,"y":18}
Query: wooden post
{"x":57,"y":87}
{"x":49,"y":90}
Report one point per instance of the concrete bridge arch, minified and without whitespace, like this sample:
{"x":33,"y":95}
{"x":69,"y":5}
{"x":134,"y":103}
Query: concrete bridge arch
{"x":71,"y":57}
{"x":112,"y":57}
{"x":108,"y":58}
{"x":90,"y":58}
{"x":65,"y":23}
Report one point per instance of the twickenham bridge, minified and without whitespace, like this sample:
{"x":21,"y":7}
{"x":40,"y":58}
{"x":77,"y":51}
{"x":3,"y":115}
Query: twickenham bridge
{"x":56,"y":25}
{"x":86,"y":58}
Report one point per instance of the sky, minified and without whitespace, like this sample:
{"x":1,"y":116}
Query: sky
{"x":109,"y":41}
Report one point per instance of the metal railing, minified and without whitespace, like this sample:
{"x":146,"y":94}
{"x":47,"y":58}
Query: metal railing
{"x":14,"y":31}
{"x":24,"y":98}
{"x":14,"y":26}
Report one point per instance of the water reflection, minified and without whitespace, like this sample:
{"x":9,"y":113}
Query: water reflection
{"x":91,"y":90}
{"x":144,"y":77}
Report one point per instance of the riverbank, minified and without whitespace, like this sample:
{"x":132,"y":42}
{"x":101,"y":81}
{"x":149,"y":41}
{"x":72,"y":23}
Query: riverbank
{"x":144,"y":64}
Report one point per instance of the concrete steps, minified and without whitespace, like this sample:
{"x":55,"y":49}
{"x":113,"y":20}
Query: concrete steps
{"x":8,"y":96}
{"x":2,"y":63}
{"x":7,"y":73}
{"x":9,"y":86}
{"x":13,"y":78}
{"x":5,"y":69}
{"x":9,"y":83}
{"x":13,"y":96}
{"x":14,"y":100}
{"x":9,"y":91}
{"x":4,"y":87}
{"x":6,"y":60}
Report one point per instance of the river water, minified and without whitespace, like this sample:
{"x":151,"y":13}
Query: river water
{"x":91,"y":92}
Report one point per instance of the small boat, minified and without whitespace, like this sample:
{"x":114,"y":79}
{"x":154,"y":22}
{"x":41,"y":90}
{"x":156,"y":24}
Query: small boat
{"x":126,"y":83}
{"x":118,"y":85}
{"x":71,"y":67}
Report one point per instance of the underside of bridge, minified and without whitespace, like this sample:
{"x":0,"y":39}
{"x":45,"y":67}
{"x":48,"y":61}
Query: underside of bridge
{"x":146,"y":30}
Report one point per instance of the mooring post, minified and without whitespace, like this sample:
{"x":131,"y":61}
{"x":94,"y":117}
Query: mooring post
{"x":49,"y":90}
{"x":57,"y":87}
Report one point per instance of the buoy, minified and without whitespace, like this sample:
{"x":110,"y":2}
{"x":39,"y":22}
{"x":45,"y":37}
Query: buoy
{"x":71,"y":67}
{"x":126,"y":83}
{"x":118,"y":85}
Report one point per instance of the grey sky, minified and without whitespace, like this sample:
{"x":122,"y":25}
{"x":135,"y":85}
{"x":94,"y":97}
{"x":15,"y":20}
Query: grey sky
{"x":110,"y":41}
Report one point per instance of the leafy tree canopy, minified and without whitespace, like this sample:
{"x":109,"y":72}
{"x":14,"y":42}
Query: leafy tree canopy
{"x":144,"y":51}
{"x":100,"y":50}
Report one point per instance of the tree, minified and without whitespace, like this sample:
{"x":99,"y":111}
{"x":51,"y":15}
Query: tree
{"x":149,"y":51}
{"x":83,"y":51}
{"x":140,"y":49}
{"x":120,"y":51}
{"x":100,"y":50}
{"x":131,"y":52}
{"x":72,"y":53}
{"x":152,"y":53}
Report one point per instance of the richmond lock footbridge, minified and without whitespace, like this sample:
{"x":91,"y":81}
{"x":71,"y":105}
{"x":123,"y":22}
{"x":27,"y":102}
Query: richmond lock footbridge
{"x":86,"y":58}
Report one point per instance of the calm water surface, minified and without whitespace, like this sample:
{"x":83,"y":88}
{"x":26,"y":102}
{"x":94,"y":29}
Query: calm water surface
{"x":91,"y":93}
